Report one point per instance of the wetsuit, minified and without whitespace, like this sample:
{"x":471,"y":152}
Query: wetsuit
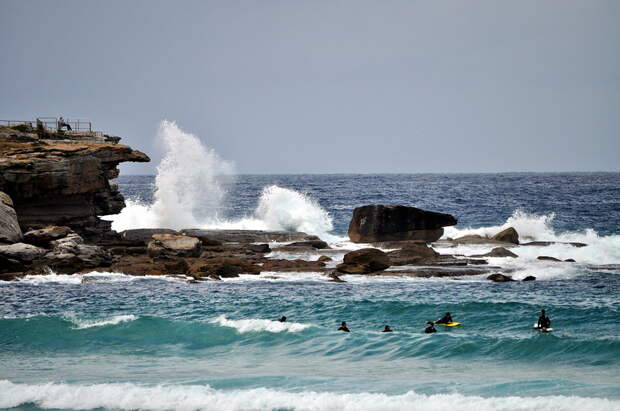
{"x":430,"y":329}
{"x":544,"y":322}
{"x":446,"y":319}
{"x":344,"y":328}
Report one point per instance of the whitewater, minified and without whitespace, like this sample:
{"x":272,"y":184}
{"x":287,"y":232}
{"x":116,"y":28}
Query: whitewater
{"x":112,"y":341}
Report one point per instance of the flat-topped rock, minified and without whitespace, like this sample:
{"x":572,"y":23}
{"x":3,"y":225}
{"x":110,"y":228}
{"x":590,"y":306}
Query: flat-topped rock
{"x":378,"y":223}
{"x":142,"y":236}
{"x":250,"y":236}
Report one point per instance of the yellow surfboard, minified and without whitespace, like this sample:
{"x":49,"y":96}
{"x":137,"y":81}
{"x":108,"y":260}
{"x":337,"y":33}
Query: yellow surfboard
{"x":452,"y":324}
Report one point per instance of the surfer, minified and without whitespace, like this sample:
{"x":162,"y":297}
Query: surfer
{"x":446,"y":319}
{"x":431,"y":328}
{"x":282,"y":319}
{"x":343,"y":327}
{"x":387,"y":329}
{"x":544,"y":322}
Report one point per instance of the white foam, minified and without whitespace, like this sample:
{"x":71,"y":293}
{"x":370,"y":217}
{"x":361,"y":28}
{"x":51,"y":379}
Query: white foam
{"x":81,"y":324}
{"x":532,"y":227}
{"x":254,"y":324}
{"x":88,"y":278}
{"x":190,"y":190}
{"x":195,"y":397}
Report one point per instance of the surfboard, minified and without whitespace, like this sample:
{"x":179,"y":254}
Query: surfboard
{"x":452,"y":324}
{"x":548,"y":330}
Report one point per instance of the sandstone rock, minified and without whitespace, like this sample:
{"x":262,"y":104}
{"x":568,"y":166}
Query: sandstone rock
{"x":63,"y":182}
{"x":10,"y":232}
{"x":500,"y":278}
{"x":44,"y":236}
{"x":143,"y":236}
{"x":477,"y":239}
{"x":318,"y":244}
{"x":24,"y":253}
{"x":223,"y":268}
{"x":529,"y":278}
{"x":71,"y":258}
{"x":324,"y":258}
{"x":364,"y":261}
{"x":259,"y":248}
{"x":548,"y":258}
{"x":376,"y":223}
{"x":174,"y":245}
{"x":249,"y":236}
{"x":412,"y":254}
{"x":508,"y":235}
{"x":497,"y":252}
{"x":570,"y":260}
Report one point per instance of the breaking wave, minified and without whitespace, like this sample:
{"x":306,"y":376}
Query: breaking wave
{"x":253,"y":325}
{"x":127,"y":396}
{"x":533,"y":227}
{"x":82,"y":324}
{"x":190,"y":192}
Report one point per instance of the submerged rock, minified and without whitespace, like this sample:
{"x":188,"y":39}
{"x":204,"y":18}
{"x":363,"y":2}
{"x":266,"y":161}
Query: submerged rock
{"x":497,"y":252}
{"x":364,"y":261}
{"x":548,"y":258}
{"x":10,"y":232}
{"x":548,"y":243}
{"x":378,"y":223}
{"x":500,"y":278}
{"x":529,"y":278}
{"x":317,"y":244}
{"x":249,"y":236}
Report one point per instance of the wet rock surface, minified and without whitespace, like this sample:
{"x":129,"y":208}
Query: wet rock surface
{"x":10,"y":232}
{"x":378,"y":223}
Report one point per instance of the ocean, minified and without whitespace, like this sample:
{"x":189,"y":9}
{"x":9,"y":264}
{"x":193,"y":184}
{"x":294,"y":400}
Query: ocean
{"x":110,"y":341}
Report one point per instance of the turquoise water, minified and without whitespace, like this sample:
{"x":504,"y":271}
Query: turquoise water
{"x":103,"y":341}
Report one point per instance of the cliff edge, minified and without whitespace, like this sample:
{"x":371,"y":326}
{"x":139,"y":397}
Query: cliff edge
{"x":62,"y":182}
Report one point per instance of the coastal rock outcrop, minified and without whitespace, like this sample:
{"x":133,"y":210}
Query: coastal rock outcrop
{"x":62,"y":182}
{"x":500,"y":278}
{"x":508,"y":235}
{"x":364,"y":261}
{"x":412,"y":254}
{"x":163,"y":245}
{"x":377,"y":223}
{"x":10,"y":232}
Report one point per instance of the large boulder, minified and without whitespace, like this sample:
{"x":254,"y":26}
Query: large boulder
{"x":364,"y":261}
{"x":24,"y":253}
{"x":71,"y":258}
{"x":376,"y":223}
{"x":44,"y":236}
{"x":9,"y":226}
{"x":508,"y":235}
{"x":500,"y":278}
{"x":412,"y":254}
{"x":164,"y":245}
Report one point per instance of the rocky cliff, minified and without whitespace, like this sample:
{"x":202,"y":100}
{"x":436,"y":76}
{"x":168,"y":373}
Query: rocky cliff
{"x":62,"y":182}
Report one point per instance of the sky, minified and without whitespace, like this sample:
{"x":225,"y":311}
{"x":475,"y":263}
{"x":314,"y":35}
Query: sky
{"x":291,"y":86}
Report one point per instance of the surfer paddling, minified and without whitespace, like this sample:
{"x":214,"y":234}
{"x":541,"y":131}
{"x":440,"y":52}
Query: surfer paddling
{"x":344,"y":328}
{"x":446,"y":319}
{"x":430,"y":328}
{"x":387,"y":329}
{"x":282,"y":319}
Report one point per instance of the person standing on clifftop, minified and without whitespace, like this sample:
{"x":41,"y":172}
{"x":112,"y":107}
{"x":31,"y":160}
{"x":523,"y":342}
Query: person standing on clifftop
{"x":61,"y":124}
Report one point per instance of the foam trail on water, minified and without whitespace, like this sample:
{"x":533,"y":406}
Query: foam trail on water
{"x":253,"y":325}
{"x":129,"y":396}
{"x":190,"y":190}
{"x":82,"y":324}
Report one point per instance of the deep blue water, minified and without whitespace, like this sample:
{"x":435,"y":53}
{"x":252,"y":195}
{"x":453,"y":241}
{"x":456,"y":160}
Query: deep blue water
{"x":125,"y":343}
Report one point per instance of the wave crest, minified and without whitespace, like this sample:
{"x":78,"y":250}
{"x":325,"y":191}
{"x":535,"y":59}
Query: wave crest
{"x":253,"y":325}
{"x":195,"y":397}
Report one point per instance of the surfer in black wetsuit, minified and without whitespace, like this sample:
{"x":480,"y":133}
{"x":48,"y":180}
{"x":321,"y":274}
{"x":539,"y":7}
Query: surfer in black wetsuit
{"x":543,"y":321}
{"x":343,"y":327}
{"x":446,"y":319}
{"x":431,"y":328}
{"x":282,"y":319}
{"x":387,"y":329}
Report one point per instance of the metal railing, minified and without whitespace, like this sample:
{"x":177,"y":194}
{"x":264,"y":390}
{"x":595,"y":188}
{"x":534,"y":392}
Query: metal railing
{"x":53,"y":123}
{"x":13,"y":123}
{"x":78,"y":127}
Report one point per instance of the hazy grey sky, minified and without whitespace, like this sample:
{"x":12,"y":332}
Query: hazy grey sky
{"x":330,"y":86}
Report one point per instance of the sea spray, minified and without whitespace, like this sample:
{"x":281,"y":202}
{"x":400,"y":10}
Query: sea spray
{"x":190,"y":191}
